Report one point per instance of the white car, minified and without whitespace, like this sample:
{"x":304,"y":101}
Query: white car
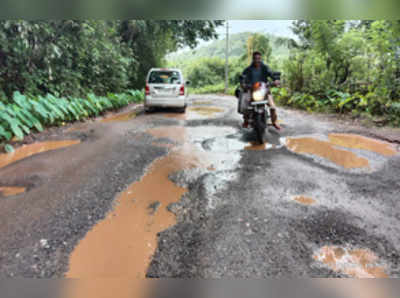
{"x":166,"y":87}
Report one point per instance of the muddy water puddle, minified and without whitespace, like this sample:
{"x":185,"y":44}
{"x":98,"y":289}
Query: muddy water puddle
{"x":105,"y":288}
{"x":33,"y":149}
{"x":357,"y":263}
{"x":196,"y":112}
{"x":337,"y":149}
{"x":206,"y":111}
{"x":123,"y":243}
{"x":327,"y":150}
{"x":7,"y":191}
{"x":361,"y":142}
{"x":304,"y":200}
{"x":120,"y":117}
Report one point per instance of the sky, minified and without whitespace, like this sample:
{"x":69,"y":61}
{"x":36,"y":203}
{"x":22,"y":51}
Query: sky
{"x":277,"y":27}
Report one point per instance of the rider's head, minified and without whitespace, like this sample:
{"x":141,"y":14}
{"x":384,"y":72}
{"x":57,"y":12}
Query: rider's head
{"x":257,"y":58}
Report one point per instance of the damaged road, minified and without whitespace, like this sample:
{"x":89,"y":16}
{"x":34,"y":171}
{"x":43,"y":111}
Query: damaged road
{"x":190,"y":196}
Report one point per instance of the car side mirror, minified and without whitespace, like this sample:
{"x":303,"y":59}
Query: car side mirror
{"x":187,"y":83}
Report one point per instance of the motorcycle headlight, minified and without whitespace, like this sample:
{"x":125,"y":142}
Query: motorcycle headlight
{"x":258,"y":95}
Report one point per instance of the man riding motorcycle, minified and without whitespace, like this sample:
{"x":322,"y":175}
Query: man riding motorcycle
{"x":257,"y":72}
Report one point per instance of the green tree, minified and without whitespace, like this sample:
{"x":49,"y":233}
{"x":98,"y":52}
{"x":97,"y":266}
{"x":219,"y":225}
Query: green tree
{"x":258,"y":42}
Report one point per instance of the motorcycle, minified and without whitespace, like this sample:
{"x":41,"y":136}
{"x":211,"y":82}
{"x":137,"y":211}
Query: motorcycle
{"x":257,"y":111}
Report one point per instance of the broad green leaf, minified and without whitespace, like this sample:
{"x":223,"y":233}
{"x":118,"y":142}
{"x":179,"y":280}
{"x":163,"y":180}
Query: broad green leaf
{"x":8,"y":148}
{"x":33,"y":119}
{"x":21,"y":100}
{"x":24,"y":119}
{"x":4,"y":133}
{"x":17,"y":131}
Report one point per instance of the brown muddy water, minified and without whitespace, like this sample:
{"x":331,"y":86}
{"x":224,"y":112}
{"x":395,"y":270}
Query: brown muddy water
{"x":105,"y":288}
{"x":7,"y":191}
{"x":120,"y":117}
{"x":205,"y":111}
{"x":123,"y":243}
{"x":357,"y":263}
{"x":195,"y":112}
{"x":304,"y":200}
{"x":327,"y":150}
{"x":361,"y":142}
{"x":33,"y":149}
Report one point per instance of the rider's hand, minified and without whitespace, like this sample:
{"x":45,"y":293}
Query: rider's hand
{"x":277,"y":83}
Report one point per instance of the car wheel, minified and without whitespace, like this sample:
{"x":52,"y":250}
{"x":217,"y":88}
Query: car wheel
{"x":147,"y":110}
{"x":183,"y":110}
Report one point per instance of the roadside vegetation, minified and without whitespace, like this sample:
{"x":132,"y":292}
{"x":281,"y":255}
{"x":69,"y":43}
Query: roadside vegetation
{"x":65,"y":70}
{"x":205,"y":67}
{"x":24,"y":114}
{"x":350,"y":67}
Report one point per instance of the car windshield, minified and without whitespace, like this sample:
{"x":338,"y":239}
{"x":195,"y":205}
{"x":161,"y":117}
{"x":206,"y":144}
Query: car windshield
{"x":164,"y":77}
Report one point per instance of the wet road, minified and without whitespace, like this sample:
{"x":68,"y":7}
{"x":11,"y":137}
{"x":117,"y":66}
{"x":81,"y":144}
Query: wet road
{"x":190,"y":195}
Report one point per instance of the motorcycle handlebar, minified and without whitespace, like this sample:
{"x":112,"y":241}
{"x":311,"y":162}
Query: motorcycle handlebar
{"x":248,"y":86}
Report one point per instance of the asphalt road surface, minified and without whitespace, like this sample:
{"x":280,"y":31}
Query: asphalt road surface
{"x":190,"y":196}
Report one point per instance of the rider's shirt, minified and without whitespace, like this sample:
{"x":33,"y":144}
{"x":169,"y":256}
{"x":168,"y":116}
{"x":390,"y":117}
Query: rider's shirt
{"x":254,"y":74}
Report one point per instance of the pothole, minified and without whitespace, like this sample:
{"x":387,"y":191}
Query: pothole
{"x":120,"y":117}
{"x":7,"y":191}
{"x":202,"y":102}
{"x":326,"y":150}
{"x":349,"y":151}
{"x":304,"y":200}
{"x":206,"y":111}
{"x":123,"y":243}
{"x":361,"y":142}
{"x":196,"y":112}
{"x":33,"y":149}
{"x":358,"y":263}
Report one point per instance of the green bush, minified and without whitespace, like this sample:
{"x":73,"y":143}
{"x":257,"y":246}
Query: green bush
{"x":218,"y":88}
{"x":24,"y":113}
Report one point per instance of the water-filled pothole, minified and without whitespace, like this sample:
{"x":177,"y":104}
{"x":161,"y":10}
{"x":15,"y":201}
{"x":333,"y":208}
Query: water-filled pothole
{"x":304,"y":200}
{"x":36,"y":148}
{"x":361,"y":142}
{"x":358,"y":263}
{"x":120,"y":117}
{"x":7,"y":191}
{"x":206,"y":110}
{"x":326,"y":150}
{"x":123,"y":243}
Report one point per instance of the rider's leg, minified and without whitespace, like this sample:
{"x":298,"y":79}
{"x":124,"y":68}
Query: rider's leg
{"x":245,"y":102}
{"x":274,"y":115}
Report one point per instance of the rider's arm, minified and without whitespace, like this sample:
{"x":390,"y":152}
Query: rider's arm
{"x":270,"y":75}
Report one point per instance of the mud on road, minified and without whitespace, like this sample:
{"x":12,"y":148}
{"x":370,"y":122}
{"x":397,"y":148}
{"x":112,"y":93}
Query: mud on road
{"x":190,"y":195}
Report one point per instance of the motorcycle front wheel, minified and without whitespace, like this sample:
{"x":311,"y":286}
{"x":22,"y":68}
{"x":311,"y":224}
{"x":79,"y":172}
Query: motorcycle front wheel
{"x":259,"y":127}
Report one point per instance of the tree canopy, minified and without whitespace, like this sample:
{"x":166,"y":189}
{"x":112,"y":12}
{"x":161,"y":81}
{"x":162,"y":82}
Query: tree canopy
{"x":70,"y":57}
